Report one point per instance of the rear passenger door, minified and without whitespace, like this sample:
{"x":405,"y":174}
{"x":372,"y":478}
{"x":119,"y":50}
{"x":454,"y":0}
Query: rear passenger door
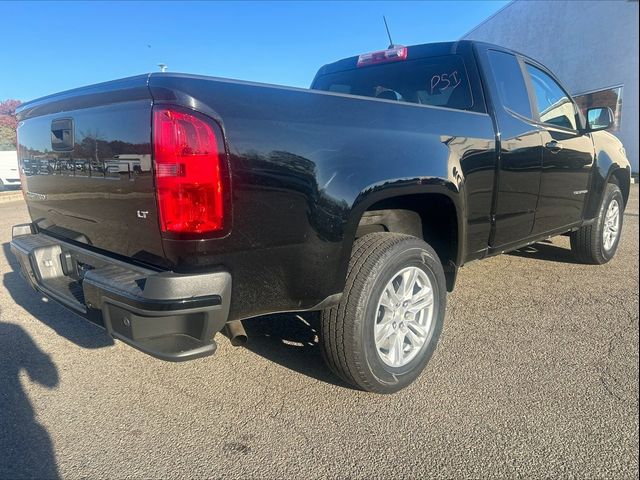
{"x":568,"y":154}
{"x":520,"y":158}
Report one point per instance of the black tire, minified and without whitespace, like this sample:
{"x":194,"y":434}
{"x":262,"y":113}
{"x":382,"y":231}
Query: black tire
{"x":587,"y":243}
{"x":347,"y":330}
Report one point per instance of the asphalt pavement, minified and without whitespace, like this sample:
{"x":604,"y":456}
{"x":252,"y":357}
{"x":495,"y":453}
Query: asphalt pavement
{"x":536,"y":375}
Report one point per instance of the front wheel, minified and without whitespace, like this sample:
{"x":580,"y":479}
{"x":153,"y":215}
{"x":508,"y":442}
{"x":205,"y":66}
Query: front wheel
{"x":387,"y":325}
{"x":597,"y":243}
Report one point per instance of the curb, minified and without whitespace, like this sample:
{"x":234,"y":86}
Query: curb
{"x":11,"y":197}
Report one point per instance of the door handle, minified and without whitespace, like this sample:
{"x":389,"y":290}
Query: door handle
{"x":553,"y":146}
{"x":62,"y":135}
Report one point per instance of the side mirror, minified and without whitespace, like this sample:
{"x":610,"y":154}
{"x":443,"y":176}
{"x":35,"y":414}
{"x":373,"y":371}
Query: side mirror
{"x":599,"y":118}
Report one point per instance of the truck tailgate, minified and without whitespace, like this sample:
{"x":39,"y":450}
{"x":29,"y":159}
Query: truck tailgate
{"x":85,"y":156}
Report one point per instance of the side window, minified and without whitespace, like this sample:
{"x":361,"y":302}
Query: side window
{"x":508,"y":76}
{"x":554,"y":105}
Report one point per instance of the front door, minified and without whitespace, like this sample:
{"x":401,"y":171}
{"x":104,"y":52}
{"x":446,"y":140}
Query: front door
{"x":568,"y":155}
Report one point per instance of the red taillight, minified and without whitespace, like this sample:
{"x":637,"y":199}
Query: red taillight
{"x":188,"y":157}
{"x":383,"y":56}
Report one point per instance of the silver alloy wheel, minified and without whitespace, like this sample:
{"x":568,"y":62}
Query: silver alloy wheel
{"x":611,"y":228}
{"x":404,"y":320}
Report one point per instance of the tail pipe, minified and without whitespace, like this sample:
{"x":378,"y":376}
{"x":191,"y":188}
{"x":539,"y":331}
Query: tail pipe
{"x":236,"y":333}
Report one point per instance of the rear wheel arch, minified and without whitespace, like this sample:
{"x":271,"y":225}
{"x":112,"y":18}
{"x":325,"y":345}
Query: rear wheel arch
{"x":432,"y":216}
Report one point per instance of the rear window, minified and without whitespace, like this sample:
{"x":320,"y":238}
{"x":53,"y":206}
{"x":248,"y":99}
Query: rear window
{"x":439,"y":81}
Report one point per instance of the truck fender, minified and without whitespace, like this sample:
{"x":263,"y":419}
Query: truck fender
{"x":402,"y":188}
{"x":605,"y":168}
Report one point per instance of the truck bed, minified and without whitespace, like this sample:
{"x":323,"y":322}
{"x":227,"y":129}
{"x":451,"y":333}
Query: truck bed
{"x":300,"y":162}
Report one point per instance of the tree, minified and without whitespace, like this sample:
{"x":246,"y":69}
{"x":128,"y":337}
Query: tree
{"x":8,"y":124}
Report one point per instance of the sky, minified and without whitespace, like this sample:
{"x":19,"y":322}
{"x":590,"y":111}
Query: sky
{"x":54,"y":46}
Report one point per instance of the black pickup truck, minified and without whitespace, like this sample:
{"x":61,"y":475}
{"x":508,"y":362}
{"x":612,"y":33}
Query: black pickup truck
{"x":168,"y":207}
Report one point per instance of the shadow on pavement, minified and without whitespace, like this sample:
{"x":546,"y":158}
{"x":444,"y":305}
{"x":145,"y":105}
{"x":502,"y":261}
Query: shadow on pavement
{"x":290,"y":340}
{"x":546,"y":251}
{"x":26,"y":450}
{"x":56,"y":317}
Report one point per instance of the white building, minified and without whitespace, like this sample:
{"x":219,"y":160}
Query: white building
{"x":591,"y":46}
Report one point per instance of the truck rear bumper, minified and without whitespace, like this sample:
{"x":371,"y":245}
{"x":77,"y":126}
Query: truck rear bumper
{"x":167,"y":315}
{"x":9,"y":182}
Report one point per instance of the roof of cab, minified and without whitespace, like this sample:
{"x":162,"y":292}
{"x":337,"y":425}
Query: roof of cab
{"x":414,"y":52}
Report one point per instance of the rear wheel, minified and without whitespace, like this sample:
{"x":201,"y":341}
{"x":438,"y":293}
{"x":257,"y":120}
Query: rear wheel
{"x":597,"y":243}
{"x":386,"y":327}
